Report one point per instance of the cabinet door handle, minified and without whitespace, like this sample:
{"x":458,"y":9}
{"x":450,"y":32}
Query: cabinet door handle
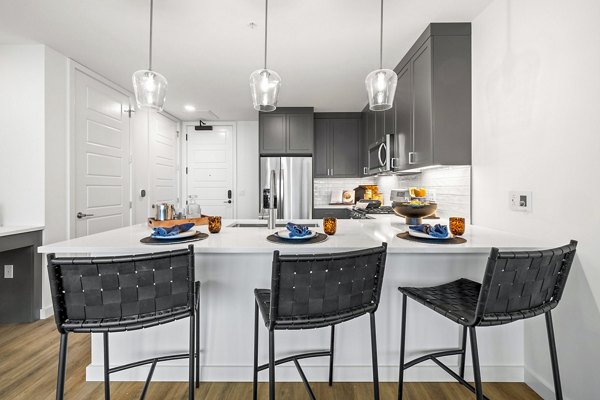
{"x":393,"y":163}
{"x":365,"y":172}
{"x":411,"y":157}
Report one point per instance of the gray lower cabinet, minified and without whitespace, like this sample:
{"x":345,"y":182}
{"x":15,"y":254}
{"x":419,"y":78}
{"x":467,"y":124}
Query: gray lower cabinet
{"x":20,"y":296}
{"x":286,"y":131}
{"x":339,"y":213}
{"x":337,"y":147}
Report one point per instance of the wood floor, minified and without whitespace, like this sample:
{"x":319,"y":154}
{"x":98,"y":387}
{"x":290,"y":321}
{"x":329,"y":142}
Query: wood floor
{"x":28,"y":358}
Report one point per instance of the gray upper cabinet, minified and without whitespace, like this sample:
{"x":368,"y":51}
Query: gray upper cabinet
{"x":337,"y":145}
{"x":422,"y":152}
{"x":287,"y":131}
{"x":403,"y":106}
{"x":321,"y":154}
{"x":272,"y":133}
{"x":433,"y":99}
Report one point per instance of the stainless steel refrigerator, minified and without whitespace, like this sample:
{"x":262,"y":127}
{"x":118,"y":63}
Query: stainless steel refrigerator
{"x":294,"y":186}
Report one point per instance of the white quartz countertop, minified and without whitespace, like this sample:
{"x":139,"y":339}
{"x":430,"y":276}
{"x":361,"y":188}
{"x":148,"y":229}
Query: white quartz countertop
{"x":351,"y":235}
{"x":15,"y":230}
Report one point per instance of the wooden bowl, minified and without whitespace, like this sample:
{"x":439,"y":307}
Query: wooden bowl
{"x":414,"y":213}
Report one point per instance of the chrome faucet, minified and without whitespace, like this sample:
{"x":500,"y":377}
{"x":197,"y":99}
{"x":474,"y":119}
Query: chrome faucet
{"x":272,"y":202}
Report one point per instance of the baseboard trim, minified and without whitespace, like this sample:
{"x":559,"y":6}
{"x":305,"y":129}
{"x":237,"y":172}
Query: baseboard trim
{"x":46,"y":312}
{"x":287,"y":373}
{"x":539,"y":385}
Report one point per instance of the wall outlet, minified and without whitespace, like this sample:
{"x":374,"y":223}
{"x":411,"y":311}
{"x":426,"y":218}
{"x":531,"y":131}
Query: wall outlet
{"x":8,"y":272}
{"x":520,"y":201}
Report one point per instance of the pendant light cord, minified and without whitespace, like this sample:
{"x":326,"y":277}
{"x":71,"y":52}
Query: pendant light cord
{"x":266,"y":19}
{"x":150,"y":50}
{"x":381,"y":38}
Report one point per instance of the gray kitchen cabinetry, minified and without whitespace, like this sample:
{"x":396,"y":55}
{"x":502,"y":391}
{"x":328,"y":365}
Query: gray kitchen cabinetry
{"x":286,"y":131}
{"x":433,"y":99}
{"x":20,"y":296}
{"x":337,"y":145}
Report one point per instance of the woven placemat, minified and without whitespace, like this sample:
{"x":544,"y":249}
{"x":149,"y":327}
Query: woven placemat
{"x":196,"y":237}
{"x":454,"y":240}
{"x":320,"y":237}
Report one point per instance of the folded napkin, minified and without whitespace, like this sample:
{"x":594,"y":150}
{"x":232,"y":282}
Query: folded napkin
{"x":171,"y":231}
{"x":437,"y":231}
{"x":297,"y":230}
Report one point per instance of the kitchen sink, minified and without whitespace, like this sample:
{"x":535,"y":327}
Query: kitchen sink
{"x":259,"y":225}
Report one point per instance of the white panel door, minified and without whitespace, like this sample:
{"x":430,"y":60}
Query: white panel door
{"x":101,"y":156}
{"x":163,"y":160}
{"x":210,"y":169}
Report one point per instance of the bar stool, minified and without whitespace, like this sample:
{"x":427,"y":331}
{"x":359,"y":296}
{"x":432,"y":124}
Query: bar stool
{"x":125,"y":293}
{"x":516,"y":285}
{"x":317,"y":291}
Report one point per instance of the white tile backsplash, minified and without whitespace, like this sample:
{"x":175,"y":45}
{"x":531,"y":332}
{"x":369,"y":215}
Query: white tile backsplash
{"x":324,"y":186}
{"x":450,"y":185}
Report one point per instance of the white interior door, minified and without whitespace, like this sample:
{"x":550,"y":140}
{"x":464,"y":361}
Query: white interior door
{"x":210,"y":168}
{"x":101,"y":193}
{"x":163,"y":160}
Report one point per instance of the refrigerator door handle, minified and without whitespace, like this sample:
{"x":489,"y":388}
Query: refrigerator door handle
{"x":281,"y":201}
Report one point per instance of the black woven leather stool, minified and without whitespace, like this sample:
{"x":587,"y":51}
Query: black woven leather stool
{"x":316,"y":291}
{"x":516,"y":285}
{"x":116,"y":294}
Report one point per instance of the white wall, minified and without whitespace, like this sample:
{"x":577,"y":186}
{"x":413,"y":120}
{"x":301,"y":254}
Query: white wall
{"x":536,"y":127}
{"x":22,"y":135}
{"x":247,"y":169}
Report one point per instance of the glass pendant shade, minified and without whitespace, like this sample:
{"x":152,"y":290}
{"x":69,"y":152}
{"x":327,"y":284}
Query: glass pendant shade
{"x":381,"y":88}
{"x":150,"y":89}
{"x":264,"y":86}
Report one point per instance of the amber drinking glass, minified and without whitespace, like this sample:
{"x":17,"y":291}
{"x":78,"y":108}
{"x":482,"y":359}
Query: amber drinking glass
{"x":329,"y":225}
{"x":214,"y":224}
{"x":457,"y":226}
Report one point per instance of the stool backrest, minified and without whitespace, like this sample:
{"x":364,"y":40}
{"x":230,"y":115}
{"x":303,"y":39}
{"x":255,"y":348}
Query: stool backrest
{"x":522,"y":284}
{"x":313,"y":287}
{"x":95,"y":288}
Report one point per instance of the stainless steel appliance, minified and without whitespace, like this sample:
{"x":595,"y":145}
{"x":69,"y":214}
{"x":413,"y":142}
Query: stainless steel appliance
{"x":381,"y":159}
{"x":293,"y":186}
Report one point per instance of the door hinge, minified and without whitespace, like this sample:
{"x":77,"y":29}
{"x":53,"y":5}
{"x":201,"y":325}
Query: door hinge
{"x":186,"y":138}
{"x":186,"y":170}
{"x":130,"y":204}
{"x":177,"y":133}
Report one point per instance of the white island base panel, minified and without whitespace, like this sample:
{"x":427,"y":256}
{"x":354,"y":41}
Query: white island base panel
{"x":227,"y":323}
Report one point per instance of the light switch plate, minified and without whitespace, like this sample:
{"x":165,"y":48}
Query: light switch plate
{"x":8,"y":271}
{"x":520,"y":201}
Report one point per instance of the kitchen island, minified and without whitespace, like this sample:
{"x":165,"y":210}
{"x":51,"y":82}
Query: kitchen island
{"x":232,"y":263}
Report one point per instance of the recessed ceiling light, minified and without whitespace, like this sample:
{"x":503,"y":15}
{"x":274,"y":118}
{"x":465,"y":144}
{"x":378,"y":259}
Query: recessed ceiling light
{"x":189,"y":107}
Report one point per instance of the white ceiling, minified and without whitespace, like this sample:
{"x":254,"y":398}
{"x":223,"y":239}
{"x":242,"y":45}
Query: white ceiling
{"x":323,"y":49}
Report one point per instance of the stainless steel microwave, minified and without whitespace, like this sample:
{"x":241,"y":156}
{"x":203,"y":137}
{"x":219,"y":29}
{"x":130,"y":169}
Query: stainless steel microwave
{"x":380,"y":155}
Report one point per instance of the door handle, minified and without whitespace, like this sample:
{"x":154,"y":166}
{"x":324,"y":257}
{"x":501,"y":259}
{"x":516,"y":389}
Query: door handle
{"x":82,"y":215}
{"x":229,"y":194}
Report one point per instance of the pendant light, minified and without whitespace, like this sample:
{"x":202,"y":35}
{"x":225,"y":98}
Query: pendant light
{"x":149,"y":86}
{"x":265,"y":83}
{"x":381,"y":83}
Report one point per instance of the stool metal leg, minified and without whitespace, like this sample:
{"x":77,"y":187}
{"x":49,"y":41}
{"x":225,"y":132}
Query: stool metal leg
{"x":106,"y":367}
{"x":461,"y":370}
{"x":197,"y":347}
{"x":191,"y":360}
{"x":476,"y":370}
{"x":255,"y":369}
{"x":271,"y":364}
{"x":402,"y":347}
{"x":553,"y":357}
{"x":374,"y":356}
{"x":62,"y":367}
{"x":331,"y":347}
